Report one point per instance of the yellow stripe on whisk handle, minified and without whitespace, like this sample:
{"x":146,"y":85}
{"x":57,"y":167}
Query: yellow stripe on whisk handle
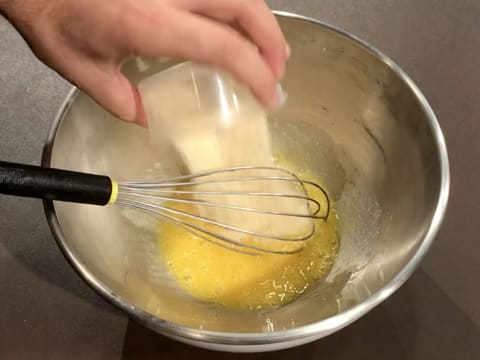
{"x":114,"y":194}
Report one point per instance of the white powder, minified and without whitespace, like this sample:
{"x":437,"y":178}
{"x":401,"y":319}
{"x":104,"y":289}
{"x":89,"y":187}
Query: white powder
{"x":214,"y":124}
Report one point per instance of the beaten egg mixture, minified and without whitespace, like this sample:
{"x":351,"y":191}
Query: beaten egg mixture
{"x":240,"y":281}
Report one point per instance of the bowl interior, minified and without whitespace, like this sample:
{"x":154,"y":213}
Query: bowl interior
{"x":349,"y":119}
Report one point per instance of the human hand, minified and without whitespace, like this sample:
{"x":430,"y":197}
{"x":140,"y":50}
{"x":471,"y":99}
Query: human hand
{"x":87,"y":41}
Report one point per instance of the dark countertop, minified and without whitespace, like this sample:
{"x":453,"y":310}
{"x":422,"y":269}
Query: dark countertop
{"x":47,"y":312}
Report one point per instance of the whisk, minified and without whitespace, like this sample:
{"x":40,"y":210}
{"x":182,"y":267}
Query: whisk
{"x":182,"y":200}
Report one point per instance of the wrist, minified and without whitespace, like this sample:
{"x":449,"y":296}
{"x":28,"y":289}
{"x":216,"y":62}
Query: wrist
{"x":7,"y":6}
{"x":22,"y":9}
{"x":22,"y":14}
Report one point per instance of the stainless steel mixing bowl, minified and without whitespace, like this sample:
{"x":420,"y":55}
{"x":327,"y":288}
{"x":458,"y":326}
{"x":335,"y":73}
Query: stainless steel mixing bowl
{"x":353,"y":117}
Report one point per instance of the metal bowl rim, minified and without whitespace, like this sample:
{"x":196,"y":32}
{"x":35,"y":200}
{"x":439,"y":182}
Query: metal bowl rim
{"x":317,"y":329}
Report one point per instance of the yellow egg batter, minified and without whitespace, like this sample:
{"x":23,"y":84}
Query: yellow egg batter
{"x":240,"y":281}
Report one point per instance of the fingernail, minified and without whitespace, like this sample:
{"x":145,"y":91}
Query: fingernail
{"x":140,"y":116}
{"x":281,"y":95}
{"x":123,"y":117}
{"x":288,"y":51}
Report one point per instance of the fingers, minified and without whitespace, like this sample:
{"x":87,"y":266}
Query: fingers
{"x":176,"y":33}
{"x":111,"y":89}
{"x":254,"y":18}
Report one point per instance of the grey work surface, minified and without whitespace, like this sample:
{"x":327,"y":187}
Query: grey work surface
{"x":47,"y":312}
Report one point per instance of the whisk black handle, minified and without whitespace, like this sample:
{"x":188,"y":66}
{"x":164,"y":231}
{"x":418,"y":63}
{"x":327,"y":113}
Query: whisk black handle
{"x":54,"y":184}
